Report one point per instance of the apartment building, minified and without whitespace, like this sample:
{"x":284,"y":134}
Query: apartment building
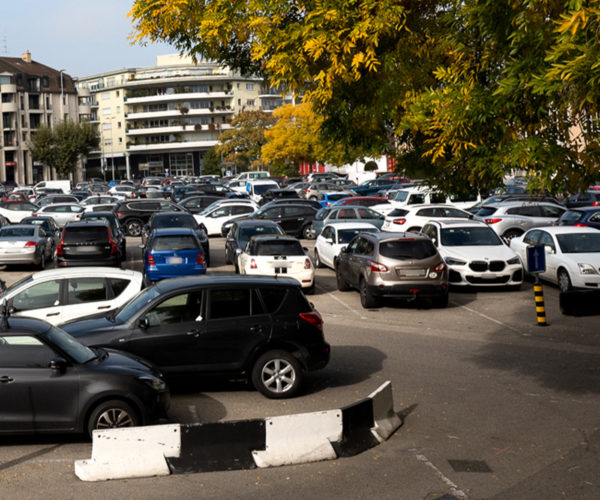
{"x":31,"y":94}
{"x":161,"y":120}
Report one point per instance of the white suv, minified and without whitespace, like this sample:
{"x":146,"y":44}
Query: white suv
{"x":60,"y":295}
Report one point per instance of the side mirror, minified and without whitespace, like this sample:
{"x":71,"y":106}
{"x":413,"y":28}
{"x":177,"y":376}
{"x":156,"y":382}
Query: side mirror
{"x":144,"y":323}
{"x":434,"y":241}
{"x":344,"y":250}
{"x":549,"y":250}
{"x":329,"y":240}
{"x":59,"y":365}
{"x":238,"y":251}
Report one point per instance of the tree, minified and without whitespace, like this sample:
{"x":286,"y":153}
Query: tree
{"x":370,"y":166}
{"x":242,"y":143}
{"x":60,"y":146}
{"x":211,"y":164}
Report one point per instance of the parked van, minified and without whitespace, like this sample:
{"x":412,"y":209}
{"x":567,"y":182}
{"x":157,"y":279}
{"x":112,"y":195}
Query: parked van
{"x":424,"y":195}
{"x":257,"y":174}
{"x":256,"y":188}
{"x":65,"y":186}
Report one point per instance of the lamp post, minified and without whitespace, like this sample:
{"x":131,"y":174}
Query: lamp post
{"x":62,"y":95}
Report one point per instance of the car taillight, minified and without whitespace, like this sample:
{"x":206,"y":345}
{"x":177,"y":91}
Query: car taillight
{"x":399,"y":221}
{"x":314,"y":318}
{"x":113,"y":246}
{"x":596,"y":203}
{"x":34,"y":215}
{"x":253,"y":264}
{"x":59,"y":248}
{"x":200,"y":259}
{"x":579,"y":224}
{"x":118,"y":214}
{"x":492,"y":221}
{"x":377,"y":267}
{"x":30,"y":244}
{"x":307,"y":264}
{"x":150,"y":260}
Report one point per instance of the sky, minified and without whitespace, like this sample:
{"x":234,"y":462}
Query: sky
{"x":83,"y":37}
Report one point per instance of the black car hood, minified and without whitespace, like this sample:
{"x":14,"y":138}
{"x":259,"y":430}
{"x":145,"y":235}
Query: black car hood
{"x":111,"y":359}
{"x":93,"y":330}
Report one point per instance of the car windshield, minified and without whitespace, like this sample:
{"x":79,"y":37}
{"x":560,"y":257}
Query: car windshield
{"x":346,"y":235}
{"x":263,"y":188}
{"x":469,"y":236}
{"x":75,"y":235}
{"x":210,"y":208}
{"x":183,"y":220}
{"x":143,"y":297}
{"x":279,"y":247}
{"x":407,"y":248}
{"x":486,"y":211}
{"x":70,"y":346}
{"x":173,"y":243}
{"x":579,"y":242}
{"x":247,"y":232}
{"x":321,"y":214}
{"x":570,"y":217}
{"x":337,"y":196}
{"x":398,"y":212}
{"x":401,"y":196}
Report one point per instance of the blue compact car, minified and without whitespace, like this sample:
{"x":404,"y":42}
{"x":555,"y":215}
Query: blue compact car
{"x":171,"y":253}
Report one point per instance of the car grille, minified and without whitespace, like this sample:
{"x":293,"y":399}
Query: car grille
{"x":480,"y":266}
{"x":488,"y":281}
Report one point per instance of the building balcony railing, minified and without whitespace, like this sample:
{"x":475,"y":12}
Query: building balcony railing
{"x":179,"y":97}
{"x":171,"y":113}
{"x":170,"y":146}
{"x":199,"y":128}
{"x":9,"y":107}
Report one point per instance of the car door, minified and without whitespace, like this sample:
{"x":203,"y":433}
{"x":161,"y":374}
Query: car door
{"x":235,"y":326}
{"x":293,"y":219}
{"x":214,"y":220}
{"x":34,"y":396}
{"x":168,"y":333}
{"x":327,"y":241}
{"x":552,"y":258}
{"x":349,"y":261}
{"x":86,"y":295}
{"x":40,"y":300}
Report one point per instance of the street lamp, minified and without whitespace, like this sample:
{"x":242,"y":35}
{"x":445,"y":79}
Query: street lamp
{"x":62,"y":95}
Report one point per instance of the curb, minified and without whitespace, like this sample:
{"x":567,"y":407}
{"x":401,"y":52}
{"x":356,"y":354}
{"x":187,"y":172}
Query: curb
{"x":161,"y":450}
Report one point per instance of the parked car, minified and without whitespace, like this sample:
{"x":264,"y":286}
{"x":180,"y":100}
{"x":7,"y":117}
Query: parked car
{"x":123,"y":191}
{"x":163,"y":220}
{"x":327,"y":198}
{"x":62,"y":213}
{"x":363,"y":201}
{"x":15,"y":211}
{"x":49,"y":226}
{"x":346,"y":214}
{"x":572,"y":255}
{"x":504,"y":198}
{"x":241,"y":232}
{"x":581,"y":217}
{"x":53,"y":199}
{"x":512,"y":219}
{"x":260,"y":329}
{"x":276,"y":255}
{"x":257,"y":188}
{"x":212,"y":218}
{"x":336,"y":236}
{"x":398,"y":265}
{"x":196,"y":204}
{"x":116,"y":230}
{"x":412,"y":218}
{"x":475,"y":254}
{"x":171,"y":253}
{"x":275,"y":194}
{"x":88,"y":243}
{"x":587,"y":199}
{"x":294,"y":218}
{"x":133,"y":214}
{"x":25,"y":244}
{"x":70,"y":387}
{"x":59,"y":295}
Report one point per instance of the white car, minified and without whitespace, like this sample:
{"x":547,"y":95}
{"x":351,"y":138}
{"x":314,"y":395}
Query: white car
{"x":420,"y":195}
{"x":572,"y":255}
{"x":100,"y":199}
{"x":122,"y":191}
{"x":60,"y":295}
{"x":213,"y":217}
{"x":16,"y":211}
{"x":62,"y":213}
{"x":336,"y":236}
{"x":412,"y":218}
{"x":277,"y":255}
{"x":256,"y":188}
{"x":475,"y":254}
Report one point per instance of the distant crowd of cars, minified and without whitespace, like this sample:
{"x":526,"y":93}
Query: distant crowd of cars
{"x":386,"y":238}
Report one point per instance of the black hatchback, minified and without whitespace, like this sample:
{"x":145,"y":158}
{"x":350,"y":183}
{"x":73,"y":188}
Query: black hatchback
{"x":49,"y":382}
{"x":259,"y":329}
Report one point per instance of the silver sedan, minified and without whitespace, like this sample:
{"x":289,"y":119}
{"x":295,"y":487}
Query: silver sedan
{"x":25,"y":244}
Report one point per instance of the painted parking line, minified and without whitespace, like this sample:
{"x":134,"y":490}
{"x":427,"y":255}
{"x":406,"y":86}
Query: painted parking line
{"x":489,"y":318}
{"x":454,"y":489}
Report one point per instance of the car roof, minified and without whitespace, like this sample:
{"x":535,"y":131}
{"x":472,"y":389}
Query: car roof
{"x":350,"y":225}
{"x":266,"y":237}
{"x":566,"y":229}
{"x":457,"y":222}
{"x":83,"y":271}
{"x":255,"y":222}
{"x":585,"y":209}
{"x":207,"y":281}
{"x":520,"y":203}
{"x":100,"y":213}
{"x":382,"y":236}
{"x":172,"y":231}
{"x":86,"y":223}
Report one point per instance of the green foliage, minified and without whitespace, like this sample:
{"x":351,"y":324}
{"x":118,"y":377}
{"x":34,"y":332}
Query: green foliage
{"x":211,"y":164}
{"x":370,"y":166}
{"x":60,"y":146}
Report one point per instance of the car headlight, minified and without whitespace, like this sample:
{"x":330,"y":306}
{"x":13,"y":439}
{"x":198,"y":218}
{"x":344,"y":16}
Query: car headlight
{"x":451,"y":261}
{"x":587,"y":269}
{"x":513,"y":261}
{"x":155,"y":383}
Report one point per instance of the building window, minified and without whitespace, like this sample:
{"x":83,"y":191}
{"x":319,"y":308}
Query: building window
{"x":48,"y":103}
{"x":118,"y":109}
{"x":250,"y":102}
{"x":120,"y":140}
{"x":106,"y":96}
{"x":106,"y":111}
{"x":249,"y":86}
{"x":108,"y":142}
{"x":107,"y":126}
{"x":118,"y":93}
{"x":118,"y":124}
{"x":239,"y":102}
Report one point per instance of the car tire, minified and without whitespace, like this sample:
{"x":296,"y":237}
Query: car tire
{"x":367,"y":300}
{"x":318,"y":263}
{"x":42,"y":264}
{"x":134,"y":227}
{"x":308,"y":233}
{"x":342,"y":286}
{"x":414,"y":229}
{"x":313,"y":198}
{"x":112,"y":414}
{"x":227,"y":259}
{"x":510,"y":234}
{"x":441,"y":301}
{"x":277,"y":375}
{"x":564,"y":281}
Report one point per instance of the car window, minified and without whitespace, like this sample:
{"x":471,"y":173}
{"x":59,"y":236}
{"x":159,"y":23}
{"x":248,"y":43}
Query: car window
{"x":532,"y":237}
{"x":553,"y":212}
{"x":407,"y":248}
{"x":17,"y":231}
{"x":238,"y":210}
{"x":362,"y":246}
{"x":180,"y":308}
{"x":278,"y":247}
{"x":426,"y":212}
{"x":453,"y":212}
{"x":430,"y":231}
{"x":346,"y":235}
{"x":272,"y":213}
{"x":294,"y":211}
{"x":437,"y":198}
{"x":579,"y":242}
{"x":228,"y":303}
{"x":38,"y":296}
{"x":118,"y":285}
{"x":416,"y":199}
{"x":327,"y":233}
{"x":173,"y":243}
{"x":24,"y":351}
{"x":346,"y":213}
{"x":83,"y":234}
{"x":532,"y":211}
{"x":367,"y":213}
{"x":272,"y":298}
{"x":82,"y":290}
{"x":595,"y":218}
{"x":546,"y":240}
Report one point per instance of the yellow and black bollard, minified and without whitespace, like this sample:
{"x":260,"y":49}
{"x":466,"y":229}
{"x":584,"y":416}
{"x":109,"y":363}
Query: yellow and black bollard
{"x":540,"y":309}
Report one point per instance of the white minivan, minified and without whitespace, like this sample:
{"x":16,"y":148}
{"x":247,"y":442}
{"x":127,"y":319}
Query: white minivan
{"x":257,"y":188}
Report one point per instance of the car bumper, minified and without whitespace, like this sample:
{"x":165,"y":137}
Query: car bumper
{"x":408,"y":291}
{"x":318,"y":356}
{"x":585,"y":281}
{"x":156,"y":273}
{"x":305,"y":278}
{"x":112,"y":261}
{"x":463,"y":276}
{"x":20,"y":256}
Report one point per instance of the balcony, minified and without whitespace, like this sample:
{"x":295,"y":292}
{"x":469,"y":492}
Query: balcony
{"x":175,"y":129}
{"x":172,"y":146}
{"x":9,"y":107}
{"x":8,"y":88}
{"x":172,"y":113}
{"x":179,"y":97}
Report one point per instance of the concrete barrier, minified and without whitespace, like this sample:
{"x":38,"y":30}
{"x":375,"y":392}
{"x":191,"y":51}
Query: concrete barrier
{"x":289,"y":439}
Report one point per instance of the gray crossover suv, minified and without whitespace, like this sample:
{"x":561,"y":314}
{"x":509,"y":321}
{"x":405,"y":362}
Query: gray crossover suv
{"x":403,"y":265}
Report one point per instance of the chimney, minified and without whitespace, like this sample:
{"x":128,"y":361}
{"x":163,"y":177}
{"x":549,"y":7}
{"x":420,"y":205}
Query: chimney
{"x":26,"y":56}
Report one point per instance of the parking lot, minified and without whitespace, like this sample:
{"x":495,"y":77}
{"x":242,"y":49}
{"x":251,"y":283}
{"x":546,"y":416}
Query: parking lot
{"x":478,"y":382}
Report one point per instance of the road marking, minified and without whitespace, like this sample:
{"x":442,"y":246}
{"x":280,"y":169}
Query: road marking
{"x":453,"y":487}
{"x":346,"y":306}
{"x":29,"y":456}
{"x":485,"y":316}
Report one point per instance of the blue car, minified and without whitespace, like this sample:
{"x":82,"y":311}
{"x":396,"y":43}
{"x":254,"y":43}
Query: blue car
{"x":328,"y":199}
{"x":584,"y":216}
{"x":171,"y":253}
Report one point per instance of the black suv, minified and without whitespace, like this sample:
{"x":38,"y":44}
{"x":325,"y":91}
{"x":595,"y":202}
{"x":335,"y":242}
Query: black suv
{"x":195,"y":204}
{"x":115,"y":228}
{"x":88,"y":243}
{"x":133,"y":214}
{"x":294,"y":218}
{"x":52,"y":383}
{"x":257,"y":328}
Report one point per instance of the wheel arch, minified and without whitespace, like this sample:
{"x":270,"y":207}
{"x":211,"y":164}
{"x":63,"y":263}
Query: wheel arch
{"x":134,"y":402}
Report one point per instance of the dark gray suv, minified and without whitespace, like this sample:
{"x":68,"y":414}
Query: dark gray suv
{"x":402,"y":265}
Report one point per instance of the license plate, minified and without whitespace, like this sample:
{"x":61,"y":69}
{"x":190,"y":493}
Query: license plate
{"x":412,"y":272}
{"x":174,"y":260}
{"x":86,"y":249}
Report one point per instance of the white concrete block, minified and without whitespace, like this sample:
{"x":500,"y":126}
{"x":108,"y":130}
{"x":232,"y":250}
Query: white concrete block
{"x":130,"y":452}
{"x":386,"y":419}
{"x":295,"y":439}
